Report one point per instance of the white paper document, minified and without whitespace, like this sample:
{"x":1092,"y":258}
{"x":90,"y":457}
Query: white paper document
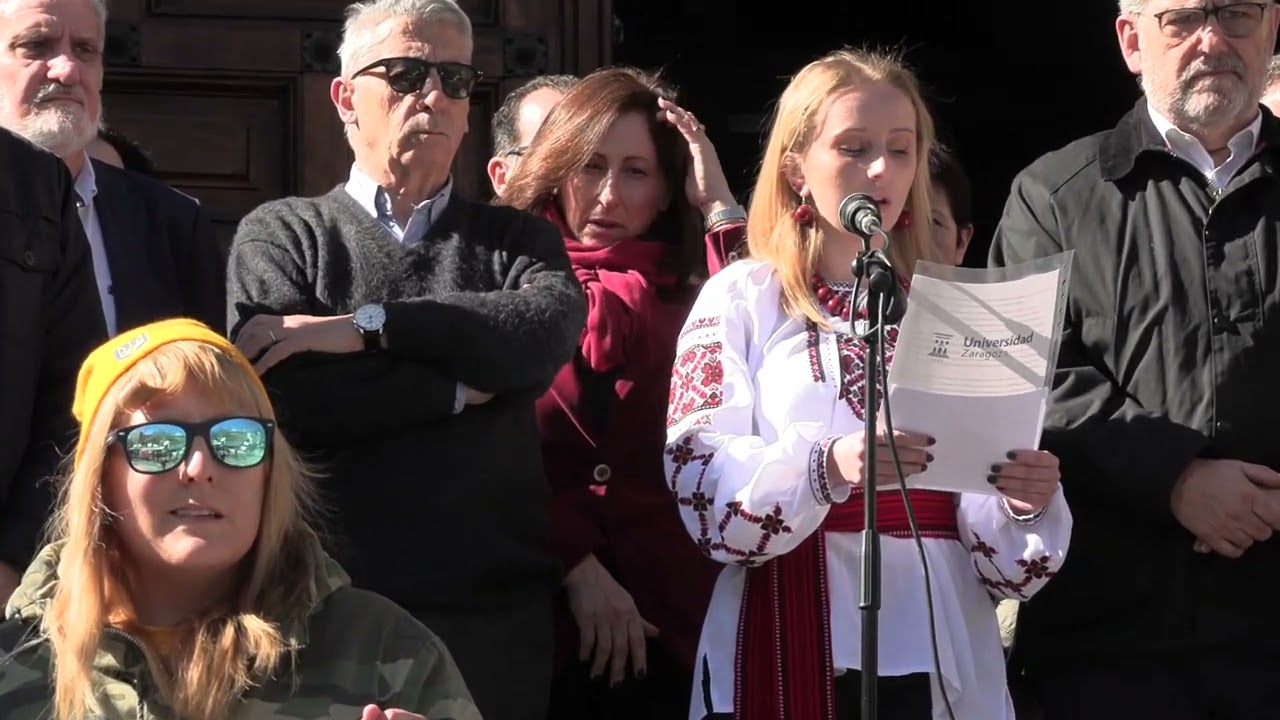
{"x":973,"y":365}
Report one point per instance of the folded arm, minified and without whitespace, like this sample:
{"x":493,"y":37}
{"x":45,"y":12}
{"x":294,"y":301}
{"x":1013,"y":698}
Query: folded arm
{"x":512,"y":339}
{"x":323,"y":398}
{"x":1111,"y":447}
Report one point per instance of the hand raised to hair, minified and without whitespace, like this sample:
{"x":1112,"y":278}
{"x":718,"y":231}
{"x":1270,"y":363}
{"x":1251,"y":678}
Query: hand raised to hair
{"x":707,"y":188}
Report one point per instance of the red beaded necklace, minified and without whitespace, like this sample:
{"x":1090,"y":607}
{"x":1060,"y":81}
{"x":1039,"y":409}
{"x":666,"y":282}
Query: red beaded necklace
{"x":836,"y":301}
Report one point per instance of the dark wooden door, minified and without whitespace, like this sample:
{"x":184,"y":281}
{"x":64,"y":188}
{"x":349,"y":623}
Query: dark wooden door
{"x":231,"y":97}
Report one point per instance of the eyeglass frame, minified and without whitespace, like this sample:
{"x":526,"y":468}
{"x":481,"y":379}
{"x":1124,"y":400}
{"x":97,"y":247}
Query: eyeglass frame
{"x":201,"y":430}
{"x":431,"y":65}
{"x":1207,"y":13}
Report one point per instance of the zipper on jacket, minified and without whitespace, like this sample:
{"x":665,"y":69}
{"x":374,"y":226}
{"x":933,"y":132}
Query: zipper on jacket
{"x":139,"y":683}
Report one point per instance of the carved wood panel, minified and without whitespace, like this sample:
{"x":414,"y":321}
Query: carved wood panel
{"x":231,"y":97}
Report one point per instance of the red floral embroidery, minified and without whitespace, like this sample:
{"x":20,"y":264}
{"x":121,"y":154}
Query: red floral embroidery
{"x":685,"y":461}
{"x":705,"y":323}
{"x":853,"y":363}
{"x":1033,"y":570}
{"x":697,"y":383}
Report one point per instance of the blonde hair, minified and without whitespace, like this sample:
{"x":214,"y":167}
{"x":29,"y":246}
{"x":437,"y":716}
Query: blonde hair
{"x":223,"y":655}
{"x":773,"y":235}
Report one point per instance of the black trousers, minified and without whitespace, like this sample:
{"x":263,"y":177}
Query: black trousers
{"x":505,"y":657}
{"x":898,"y":698}
{"x":1205,"y":685}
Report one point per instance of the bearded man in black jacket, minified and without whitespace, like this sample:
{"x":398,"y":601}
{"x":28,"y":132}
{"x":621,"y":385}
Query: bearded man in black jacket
{"x":1166,"y":401}
{"x":405,"y":332}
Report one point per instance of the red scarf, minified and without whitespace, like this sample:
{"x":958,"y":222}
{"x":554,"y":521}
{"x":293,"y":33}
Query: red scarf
{"x":784,"y":668}
{"x":620,"y":281}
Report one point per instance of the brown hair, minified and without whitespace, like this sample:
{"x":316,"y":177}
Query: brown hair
{"x":574,"y":129}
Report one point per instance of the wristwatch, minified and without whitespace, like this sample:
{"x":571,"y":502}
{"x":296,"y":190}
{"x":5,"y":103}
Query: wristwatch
{"x":368,"y":320}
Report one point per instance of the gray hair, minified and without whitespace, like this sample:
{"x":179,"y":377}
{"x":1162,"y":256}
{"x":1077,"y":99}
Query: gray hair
{"x":1273,"y":73}
{"x":1130,"y":7}
{"x":363,"y":17}
{"x":505,"y":135}
{"x":99,"y":8}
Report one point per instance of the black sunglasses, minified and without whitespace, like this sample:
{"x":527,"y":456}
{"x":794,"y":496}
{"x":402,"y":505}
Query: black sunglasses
{"x":409,"y":75}
{"x":157,"y":447}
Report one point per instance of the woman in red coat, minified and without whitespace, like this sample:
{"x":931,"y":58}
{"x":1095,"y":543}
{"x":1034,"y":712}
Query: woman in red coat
{"x":636,"y":188}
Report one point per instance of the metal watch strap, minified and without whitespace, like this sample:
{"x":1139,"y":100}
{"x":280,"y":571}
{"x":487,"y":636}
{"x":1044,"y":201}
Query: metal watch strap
{"x":733,"y":213}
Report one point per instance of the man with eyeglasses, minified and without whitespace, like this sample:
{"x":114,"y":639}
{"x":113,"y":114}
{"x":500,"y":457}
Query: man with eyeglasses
{"x":1165,"y":410}
{"x":405,"y":333}
{"x":517,"y":120}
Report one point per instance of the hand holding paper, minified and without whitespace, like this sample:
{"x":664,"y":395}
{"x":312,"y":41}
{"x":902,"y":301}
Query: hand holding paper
{"x":1028,"y":480}
{"x":973,"y":366}
{"x":849,"y":454}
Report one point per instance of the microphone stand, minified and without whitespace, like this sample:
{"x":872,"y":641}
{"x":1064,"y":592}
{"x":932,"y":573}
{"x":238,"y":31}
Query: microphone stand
{"x":872,"y":267}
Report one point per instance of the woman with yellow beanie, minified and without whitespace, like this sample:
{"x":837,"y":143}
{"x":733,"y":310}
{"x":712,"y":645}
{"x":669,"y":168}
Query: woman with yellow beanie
{"x":183,"y":580}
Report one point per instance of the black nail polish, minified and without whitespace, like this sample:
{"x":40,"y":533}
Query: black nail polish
{"x":932,"y":441}
{"x":640,"y":675}
{"x":996,"y":468}
{"x":992,"y":479}
{"x":1011,"y":455}
{"x":928,"y":458}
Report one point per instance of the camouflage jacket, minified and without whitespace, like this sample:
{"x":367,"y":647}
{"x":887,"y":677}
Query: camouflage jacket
{"x":356,"y":648}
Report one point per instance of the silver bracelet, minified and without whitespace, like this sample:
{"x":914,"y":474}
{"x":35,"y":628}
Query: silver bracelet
{"x":1019,"y":519}
{"x":726,"y":215}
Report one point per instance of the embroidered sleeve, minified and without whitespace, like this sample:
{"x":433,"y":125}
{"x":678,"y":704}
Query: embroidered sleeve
{"x":743,"y":497}
{"x":1013,"y":557}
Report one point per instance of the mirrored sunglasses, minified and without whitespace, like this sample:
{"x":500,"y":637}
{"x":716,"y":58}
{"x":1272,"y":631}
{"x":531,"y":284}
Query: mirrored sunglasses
{"x":157,"y":447}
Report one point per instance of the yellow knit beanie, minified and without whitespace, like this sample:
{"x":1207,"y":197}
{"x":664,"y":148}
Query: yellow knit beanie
{"x":111,"y":360}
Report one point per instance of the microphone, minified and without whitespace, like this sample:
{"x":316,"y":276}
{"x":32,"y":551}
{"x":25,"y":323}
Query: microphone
{"x":860,"y":213}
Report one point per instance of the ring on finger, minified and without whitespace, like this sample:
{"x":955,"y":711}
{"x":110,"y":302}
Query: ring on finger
{"x":272,"y":334}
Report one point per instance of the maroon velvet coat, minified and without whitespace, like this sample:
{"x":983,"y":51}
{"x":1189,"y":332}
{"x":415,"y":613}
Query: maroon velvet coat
{"x":603,"y":459}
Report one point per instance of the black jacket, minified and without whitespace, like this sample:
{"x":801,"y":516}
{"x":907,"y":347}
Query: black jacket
{"x":160,"y":248}
{"x":1171,"y":353}
{"x":50,"y":319}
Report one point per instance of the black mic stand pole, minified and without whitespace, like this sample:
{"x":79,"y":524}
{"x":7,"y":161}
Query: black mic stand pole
{"x":872,"y":267}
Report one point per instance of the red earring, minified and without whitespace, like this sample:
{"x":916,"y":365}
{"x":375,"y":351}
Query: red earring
{"x":904,"y":219}
{"x":803,"y":212}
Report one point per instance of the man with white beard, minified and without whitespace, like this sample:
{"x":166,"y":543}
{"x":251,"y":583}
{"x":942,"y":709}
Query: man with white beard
{"x":1166,"y":399}
{"x":153,"y":250}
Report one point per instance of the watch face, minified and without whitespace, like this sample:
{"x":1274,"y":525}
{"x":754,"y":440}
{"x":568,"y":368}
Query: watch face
{"x":370,"y":317}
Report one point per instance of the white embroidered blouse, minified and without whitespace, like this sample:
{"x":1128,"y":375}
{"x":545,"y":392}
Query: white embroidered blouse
{"x":754,"y":395}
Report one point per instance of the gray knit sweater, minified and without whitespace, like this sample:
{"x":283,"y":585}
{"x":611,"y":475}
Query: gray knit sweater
{"x":434,"y":510}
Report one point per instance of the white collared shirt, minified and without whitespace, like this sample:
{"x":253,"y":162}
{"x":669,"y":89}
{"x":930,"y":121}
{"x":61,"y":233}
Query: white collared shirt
{"x":86,"y":188}
{"x":1193,"y":151}
{"x":373,"y":198}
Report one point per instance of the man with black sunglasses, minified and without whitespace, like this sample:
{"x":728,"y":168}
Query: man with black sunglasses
{"x":50,"y":319}
{"x":1166,"y":399}
{"x":405,"y":333}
